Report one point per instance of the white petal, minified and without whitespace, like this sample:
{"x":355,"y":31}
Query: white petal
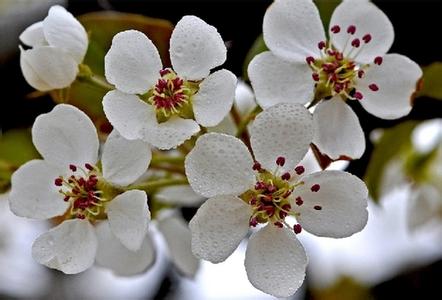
{"x":219,"y":164}
{"x":33,"y":192}
{"x":128,"y":215}
{"x":181,"y":195}
{"x":65,"y":136}
{"x":124,"y":161}
{"x":33,"y":35}
{"x":70,"y":247}
{"x":292,"y":29}
{"x":62,"y":30}
{"x":177,"y":235}
{"x":113,"y":255}
{"x":282,"y":130}
{"x":214,"y":98}
{"x":396,"y":78}
{"x":337,"y":130}
{"x":127,"y":114}
{"x":423,"y":206}
{"x":218,"y":227}
{"x":132,"y":63}
{"x":342,"y":199}
{"x":47,"y":68}
{"x":275,"y":261}
{"x":169,"y":134}
{"x":368,"y":19}
{"x":196,"y":48}
{"x":244,"y":98}
{"x":276,"y":81}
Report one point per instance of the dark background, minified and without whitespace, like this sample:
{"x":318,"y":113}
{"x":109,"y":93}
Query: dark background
{"x":417,"y":27}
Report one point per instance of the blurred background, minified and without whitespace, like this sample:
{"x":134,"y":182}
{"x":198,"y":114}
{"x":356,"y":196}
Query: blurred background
{"x":391,"y":257}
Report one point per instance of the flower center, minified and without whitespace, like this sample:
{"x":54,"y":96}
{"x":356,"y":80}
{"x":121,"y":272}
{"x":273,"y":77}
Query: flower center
{"x":82,"y":189}
{"x":335,"y":73}
{"x":171,"y":96}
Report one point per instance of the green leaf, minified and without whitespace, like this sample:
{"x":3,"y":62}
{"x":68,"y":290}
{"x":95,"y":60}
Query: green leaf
{"x":101,"y":28}
{"x":394,"y":143}
{"x":257,"y":47}
{"x":16,"y":148}
{"x":326,"y":8}
{"x":432,"y":81}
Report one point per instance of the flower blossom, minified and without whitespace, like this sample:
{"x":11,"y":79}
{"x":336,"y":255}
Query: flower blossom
{"x":245,"y":193}
{"x":304,"y":66}
{"x":164,"y":106}
{"x":72,"y":184}
{"x":59,"y":44}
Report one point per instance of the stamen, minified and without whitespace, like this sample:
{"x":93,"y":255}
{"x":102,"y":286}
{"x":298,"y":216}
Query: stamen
{"x":317,"y":207}
{"x":285,"y":176}
{"x":367,"y":38}
{"x":315,"y":187}
{"x":378,"y":60}
{"x":356,"y":43}
{"x":89,"y":166}
{"x":335,"y":29}
{"x":280,"y":161}
{"x":297,"y":228}
{"x":321,"y":45}
{"x":351,"y":29}
{"x":73,"y":168}
{"x":373,"y":87}
{"x":315,"y":76}
{"x":358,"y":96}
{"x":58,"y":181}
{"x":299,"y":170}
{"x":256,"y":166}
{"x":299,"y":201}
{"x":278,"y":224}
{"x":361,"y":73}
{"x":310,"y":60}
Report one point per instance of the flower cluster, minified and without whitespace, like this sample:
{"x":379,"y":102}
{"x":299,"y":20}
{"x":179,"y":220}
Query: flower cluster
{"x":102,"y":202}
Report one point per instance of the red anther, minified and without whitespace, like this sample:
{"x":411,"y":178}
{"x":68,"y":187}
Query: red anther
{"x":315,"y":187}
{"x":299,"y":201}
{"x":75,"y":191}
{"x":66,"y":198}
{"x":288,"y":193}
{"x":367,"y":38}
{"x":331,"y":52}
{"x":260,"y":185}
{"x":256,"y":166}
{"x":89,"y":166}
{"x":335,"y":29}
{"x":164,"y":72}
{"x":358,"y":95}
{"x":278,"y":224}
{"x":81,"y":181}
{"x":310,"y":60}
{"x":270,"y":210}
{"x":373,"y":87}
{"x":378,"y":60}
{"x":58,"y":181}
{"x":356,"y":43}
{"x":73,"y":168}
{"x":338,"y":87}
{"x":361,"y":73}
{"x":317,"y":207}
{"x":315,"y":76}
{"x":321,"y":45}
{"x":280,"y":161}
{"x":282,"y":214}
{"x":271,"y":188}
{"x":253,"y":201}
{"x":80,"y":216}
{"x":287,"y":207}
{"x":351,"y":29}
{"x":297,"y":228}
{"x":285,"y":176}
{"x":253,"y":222}
{"x":299,"y":170}
{"x":339,"y":55}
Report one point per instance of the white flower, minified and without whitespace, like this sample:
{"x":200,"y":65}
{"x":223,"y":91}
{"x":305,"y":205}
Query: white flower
{"x":59,"y":44}
{"x":69,"y":183}
{"x":243,"y":194}
{"x":302,"y":65}
{"x":160,"y":105}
